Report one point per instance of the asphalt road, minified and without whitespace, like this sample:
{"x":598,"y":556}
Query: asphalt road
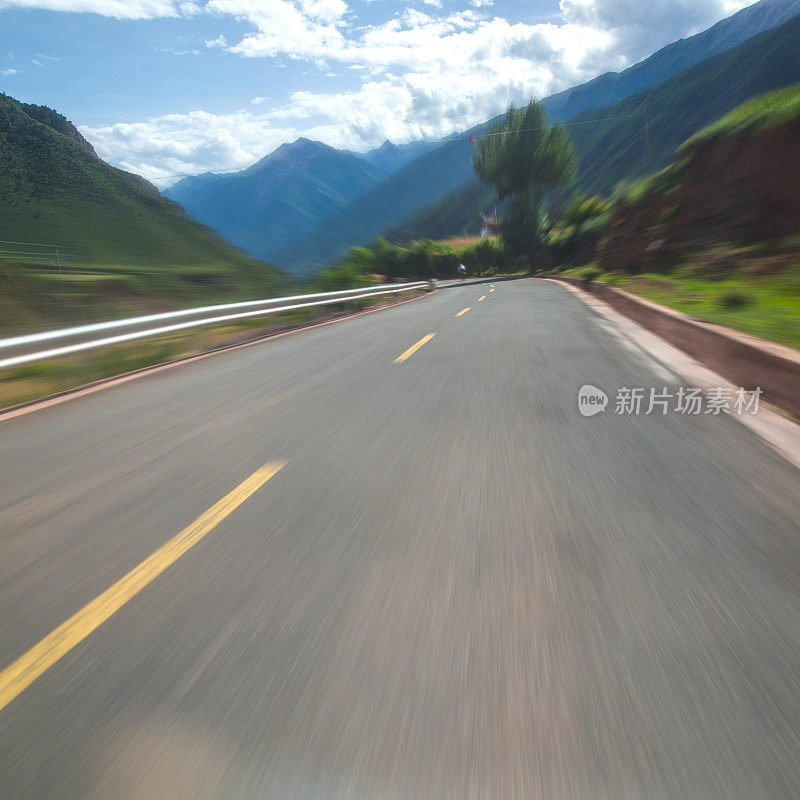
{"x":455,"y":587}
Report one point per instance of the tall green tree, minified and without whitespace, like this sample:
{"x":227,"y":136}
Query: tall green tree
{"x":524,"y":157}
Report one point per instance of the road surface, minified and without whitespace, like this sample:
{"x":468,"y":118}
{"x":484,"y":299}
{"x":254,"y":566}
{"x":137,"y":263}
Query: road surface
{"x":446,"y":584}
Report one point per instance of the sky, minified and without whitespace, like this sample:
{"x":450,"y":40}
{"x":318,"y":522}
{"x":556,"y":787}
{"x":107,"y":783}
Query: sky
{"x":166,"y":88}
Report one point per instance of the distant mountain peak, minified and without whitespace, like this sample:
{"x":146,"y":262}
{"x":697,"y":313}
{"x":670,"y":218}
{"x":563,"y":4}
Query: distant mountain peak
{"x":605,"y":90}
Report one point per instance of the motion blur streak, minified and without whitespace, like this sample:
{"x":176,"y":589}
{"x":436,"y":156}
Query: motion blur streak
{"x":458,"y":588}
{"x":17,"y":677}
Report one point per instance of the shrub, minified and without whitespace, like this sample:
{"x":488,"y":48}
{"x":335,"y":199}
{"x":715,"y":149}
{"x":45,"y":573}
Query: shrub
{"x":485,"y":258}
{"x":591,"y":274}
{"x":735,"y":300}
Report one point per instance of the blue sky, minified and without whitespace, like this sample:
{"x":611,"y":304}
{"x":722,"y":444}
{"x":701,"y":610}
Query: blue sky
{"x":170,"y":87}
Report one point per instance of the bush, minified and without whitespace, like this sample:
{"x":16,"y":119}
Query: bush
{"x":338,"y":278}
{"x":485,"y":258}
{"x":591,"y":274}
{"x":735,"y":300}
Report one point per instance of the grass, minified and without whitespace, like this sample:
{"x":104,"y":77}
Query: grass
{"x":772,"y":108}
{"x":466,"y":241}
{"x":767,"y":306}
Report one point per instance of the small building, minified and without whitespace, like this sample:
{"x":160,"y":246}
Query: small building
{"x":491,"y":225}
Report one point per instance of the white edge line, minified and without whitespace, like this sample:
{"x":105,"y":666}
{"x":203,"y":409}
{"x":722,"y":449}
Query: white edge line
{"x":48,"y":401}
{"x":56,"y":352}
{"x":782,"y":435}
{"x":61,"y":333}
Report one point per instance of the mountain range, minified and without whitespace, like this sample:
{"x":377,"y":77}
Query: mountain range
{"x":280,"y":199}
{"x":306,"y":204}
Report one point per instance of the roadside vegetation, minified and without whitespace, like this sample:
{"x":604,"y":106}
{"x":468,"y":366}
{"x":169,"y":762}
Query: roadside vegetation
{"x":524,"y":158}
{"x":424,"y":260}
{"x":763,"y":305}
{"x":737,"y":266}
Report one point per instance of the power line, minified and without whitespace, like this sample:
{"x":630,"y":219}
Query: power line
{"x":28,"y":244}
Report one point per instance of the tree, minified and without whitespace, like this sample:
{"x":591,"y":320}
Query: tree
{"x":582,"y":210}
{"x":524,"y":157}
{"x":385,"y":259}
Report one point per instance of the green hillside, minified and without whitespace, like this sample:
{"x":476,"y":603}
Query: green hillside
{"x":611,"y":143}
{"x":773,"y":108}
{"x":57,"y":192}
{"x":738,"y":266}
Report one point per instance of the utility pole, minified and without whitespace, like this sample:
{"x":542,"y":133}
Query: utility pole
{"x":60,"y":277}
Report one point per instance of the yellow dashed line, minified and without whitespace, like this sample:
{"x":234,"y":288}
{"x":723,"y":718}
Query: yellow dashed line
{"x":413,"y":349}
{"x":16,"y":677}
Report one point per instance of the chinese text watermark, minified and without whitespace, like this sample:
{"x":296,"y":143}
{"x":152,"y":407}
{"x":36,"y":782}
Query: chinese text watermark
{"x":630,"y":401}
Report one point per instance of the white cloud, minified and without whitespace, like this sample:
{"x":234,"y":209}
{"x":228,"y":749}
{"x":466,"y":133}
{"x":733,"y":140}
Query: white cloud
{"x":173,"y":52}
{"x":9,"y":71}
{"x":163,"y":149}
{"x":118,"y":9}
{"x":308,"y":29}
{"x":422,"y":73}
{"x":639,"y":27}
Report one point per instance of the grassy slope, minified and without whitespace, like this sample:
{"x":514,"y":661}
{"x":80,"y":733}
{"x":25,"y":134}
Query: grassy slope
{"x":121,"y":245}
{"x":56,"y":191}
{"x":772,"y":108}
{"x":772,"y":309}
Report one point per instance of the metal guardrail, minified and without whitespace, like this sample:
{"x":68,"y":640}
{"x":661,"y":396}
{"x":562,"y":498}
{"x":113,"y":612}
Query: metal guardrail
{"x":273,"y":305}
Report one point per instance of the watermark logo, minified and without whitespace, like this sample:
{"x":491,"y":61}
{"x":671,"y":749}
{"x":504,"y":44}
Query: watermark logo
{"x":591,"y":400}
{"x":687,"y":401}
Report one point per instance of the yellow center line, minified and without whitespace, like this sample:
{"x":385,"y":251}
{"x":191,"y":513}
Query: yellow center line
{"x":28,"y":667}
{"x":413,"y":349}
{"x":464,"y":311}
{"x":481,"y":298}
{"x":492,"y":289}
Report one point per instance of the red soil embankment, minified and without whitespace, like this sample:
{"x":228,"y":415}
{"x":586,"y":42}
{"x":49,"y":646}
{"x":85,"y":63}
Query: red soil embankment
{"x":739,"y":188}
